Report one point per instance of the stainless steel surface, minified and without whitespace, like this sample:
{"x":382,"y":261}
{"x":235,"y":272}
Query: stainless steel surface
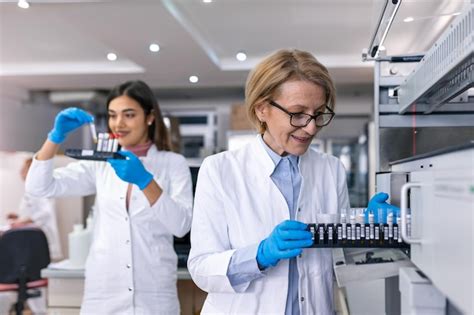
{"x":447,"y":68}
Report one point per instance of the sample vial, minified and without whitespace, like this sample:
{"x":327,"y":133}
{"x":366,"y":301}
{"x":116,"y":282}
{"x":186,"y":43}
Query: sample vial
{"x":330,"y":230}
{"x":390,"y":225}
{"x":321,"y":233}
{"x":339,"y":231}
{"x":358,"y":232}
{"x":352,"y":221}
{"x":100,"y":141}
{"x":371,"y":226}
{"x":396,"y":232}
{"x":376,"y":232}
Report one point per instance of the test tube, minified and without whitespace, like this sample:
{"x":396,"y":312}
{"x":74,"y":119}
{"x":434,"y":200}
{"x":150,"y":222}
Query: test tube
{"x":312,"y":229}
{"x":396,"y":231}
{"x":390,"y":225}
{"x":352,"y":221}
{"x":330,"y":229}
{"x":105,"y":142}
{"x":110,"y":144}
{"x":344,"y":224}
{"x":100,"y":142}
{"x":371,"y":226}
{"x":321,"y":233}
{"x":93,"y":131}
{"x":116,"y":143}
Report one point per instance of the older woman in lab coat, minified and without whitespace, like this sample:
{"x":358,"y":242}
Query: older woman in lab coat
{"x":248,"y":233}
{"x":142,"y":202}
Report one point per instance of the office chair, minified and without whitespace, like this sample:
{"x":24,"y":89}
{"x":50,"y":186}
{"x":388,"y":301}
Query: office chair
{"x":23,"y":253}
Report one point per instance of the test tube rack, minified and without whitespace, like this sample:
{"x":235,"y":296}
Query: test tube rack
{"x":107,"y":147}
{"x":345,"y":235}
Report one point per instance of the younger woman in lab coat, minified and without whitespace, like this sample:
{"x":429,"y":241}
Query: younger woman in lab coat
{"x":248,"y":233}
{"x":142,"y":202}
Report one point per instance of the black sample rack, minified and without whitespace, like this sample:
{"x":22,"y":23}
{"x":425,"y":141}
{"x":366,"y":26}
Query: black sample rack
{"x":93,"y":155}
{"x":356,"y":235}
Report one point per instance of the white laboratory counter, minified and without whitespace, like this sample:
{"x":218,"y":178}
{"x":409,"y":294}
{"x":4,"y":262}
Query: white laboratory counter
{"x":66,"y":287}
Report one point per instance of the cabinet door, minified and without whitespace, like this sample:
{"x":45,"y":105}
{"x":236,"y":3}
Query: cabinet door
{"x":443,"y":216}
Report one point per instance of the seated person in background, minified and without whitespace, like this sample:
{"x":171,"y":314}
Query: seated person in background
{"x":39,"y":212}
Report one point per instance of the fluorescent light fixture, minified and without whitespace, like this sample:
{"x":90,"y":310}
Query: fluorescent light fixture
{"x":241,"y":56}
{"x":193,"y":79}
{"x":154,"y":47}
{"x":23,"y":4}
{"x":111,"y":56}
{"x":207,"y":1}
{"x":456,"y":13}
{"x":383,"y":26}
{"x":408,"y":19}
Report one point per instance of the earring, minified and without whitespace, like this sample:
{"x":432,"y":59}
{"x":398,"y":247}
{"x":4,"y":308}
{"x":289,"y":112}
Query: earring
{"x":149,"y":123}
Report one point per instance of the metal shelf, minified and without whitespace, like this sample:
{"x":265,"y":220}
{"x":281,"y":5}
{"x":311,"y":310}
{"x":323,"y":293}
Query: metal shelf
{"x":447,"y":69}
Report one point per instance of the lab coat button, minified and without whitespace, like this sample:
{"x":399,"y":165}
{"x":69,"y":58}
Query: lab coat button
{"x":299,"y":209}
{"x":127,"y":242}
{"x":128,"y":266}
{"x":126,"y":218}
{"x":302,"y":299}
{"x":130,"y":289}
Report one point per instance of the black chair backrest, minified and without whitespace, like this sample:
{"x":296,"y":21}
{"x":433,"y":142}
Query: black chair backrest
{"x":23,"y":249}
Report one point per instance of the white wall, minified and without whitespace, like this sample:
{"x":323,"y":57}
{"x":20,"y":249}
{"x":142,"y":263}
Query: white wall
{"x":24,"y":125}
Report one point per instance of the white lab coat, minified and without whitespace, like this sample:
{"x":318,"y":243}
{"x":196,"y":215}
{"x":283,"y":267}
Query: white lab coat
{"x":237,"y":205}
{"x":42,"y":212}
{"x":132,"y":265}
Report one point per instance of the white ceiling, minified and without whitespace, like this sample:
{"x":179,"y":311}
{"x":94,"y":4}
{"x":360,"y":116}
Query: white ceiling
{"x":62,"y":45}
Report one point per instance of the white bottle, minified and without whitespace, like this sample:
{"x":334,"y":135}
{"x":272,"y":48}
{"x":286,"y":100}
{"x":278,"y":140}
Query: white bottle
{"x":79,"y":242}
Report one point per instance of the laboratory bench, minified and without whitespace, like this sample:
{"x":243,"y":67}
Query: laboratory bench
{"x":65,"y":291}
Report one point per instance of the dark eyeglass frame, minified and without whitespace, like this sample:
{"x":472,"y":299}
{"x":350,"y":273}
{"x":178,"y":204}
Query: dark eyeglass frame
{"x":310,"y":117}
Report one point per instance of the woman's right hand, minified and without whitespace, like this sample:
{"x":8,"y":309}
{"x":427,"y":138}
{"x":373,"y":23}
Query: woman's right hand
{"x":66,"y":121}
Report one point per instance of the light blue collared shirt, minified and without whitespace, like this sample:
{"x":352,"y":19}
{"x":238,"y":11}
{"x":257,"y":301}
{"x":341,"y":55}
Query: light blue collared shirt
{"x":243,"y":264}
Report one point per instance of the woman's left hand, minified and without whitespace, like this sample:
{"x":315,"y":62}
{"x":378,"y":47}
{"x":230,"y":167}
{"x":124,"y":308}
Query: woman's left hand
{"x":131,"y":170}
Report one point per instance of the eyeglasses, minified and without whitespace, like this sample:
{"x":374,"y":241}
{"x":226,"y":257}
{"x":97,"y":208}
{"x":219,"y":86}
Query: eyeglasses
{"x":302,"y":120}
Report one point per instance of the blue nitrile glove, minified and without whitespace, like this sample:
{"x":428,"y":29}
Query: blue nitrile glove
{"x":379,"y":201}
{"x":131,"y":170}
{"x":66,"y":121}
{"x":286,"y":241}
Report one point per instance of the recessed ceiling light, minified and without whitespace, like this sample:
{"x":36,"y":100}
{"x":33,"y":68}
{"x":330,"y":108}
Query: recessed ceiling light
{"x":154,"y":47}
{"x":241,"y":56}
{"x":207,"y":1}
{"x":111,"y":56}
{"x":23,"y":4}
{"x":408,"y":19}
{"x":193,"y":79}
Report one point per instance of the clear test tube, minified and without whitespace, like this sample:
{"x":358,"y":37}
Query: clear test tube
{"x":396,"y":230}
{"x":352,"y":221}
{"x":371,"y":226}
{"x":360,"y":221}
{"x":105,"y":142}
{"x":116,"y":143}
{"x":344,"y":225}
{"x":390,"y":225}
{"x":93,"y":132}
{"x":100,"y":142}
{"x":110,"y":145}
{"x":321,"y":233}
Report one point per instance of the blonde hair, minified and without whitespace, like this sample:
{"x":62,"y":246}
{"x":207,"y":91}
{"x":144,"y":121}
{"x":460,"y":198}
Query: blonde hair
{"x":265,"y":79}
